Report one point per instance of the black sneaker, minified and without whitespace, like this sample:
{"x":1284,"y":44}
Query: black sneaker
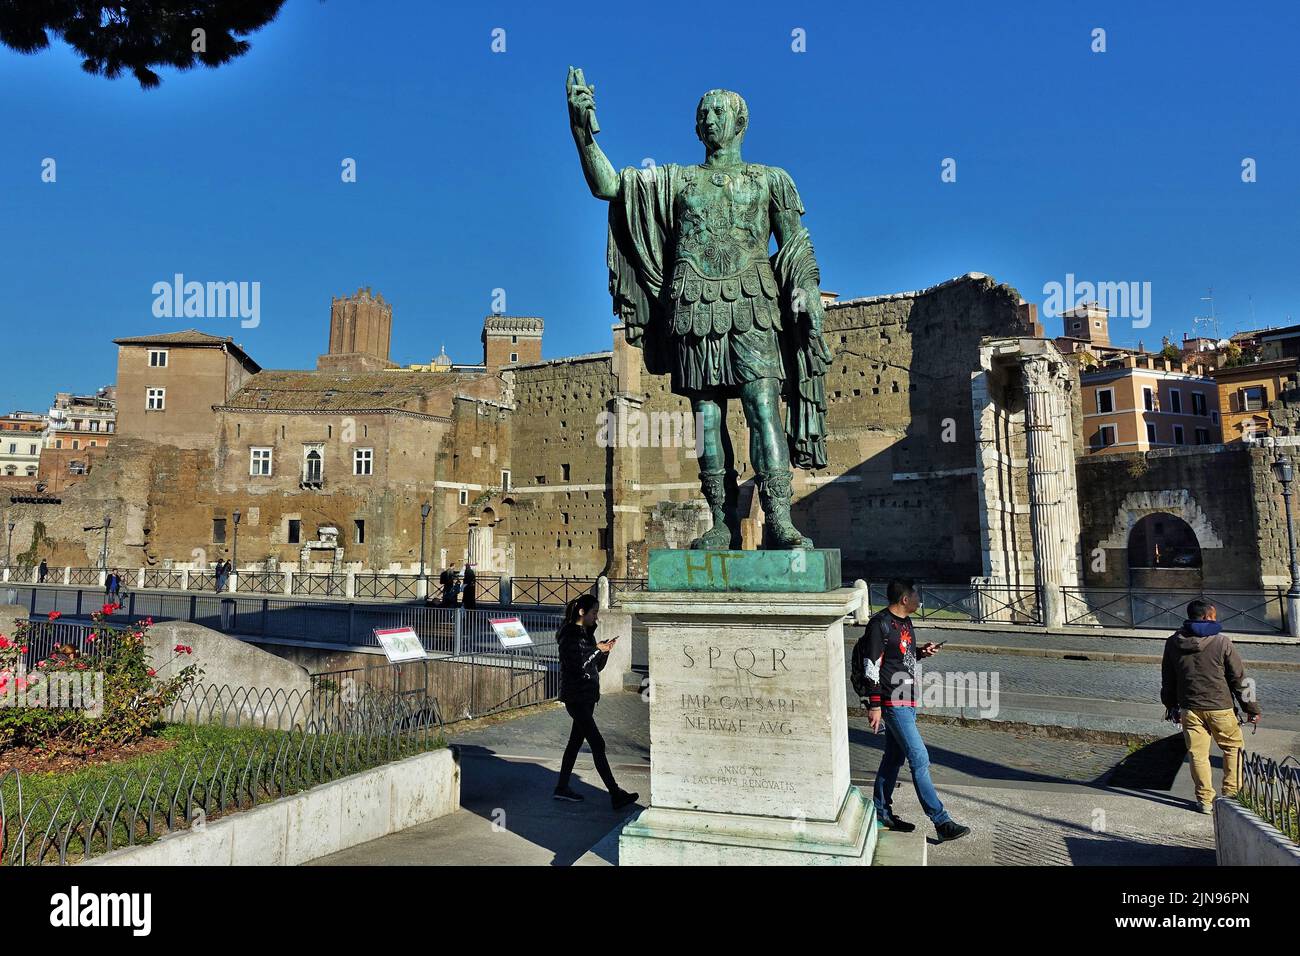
{"x":621,"y":798}
{"x":951,"y":830}
{"x":566,"y":793}
{"x":902,"y":826}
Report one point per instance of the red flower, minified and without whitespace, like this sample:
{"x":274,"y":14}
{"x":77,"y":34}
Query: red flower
{"x":108,"y":609}
{"x":152,"y":672}
{"x":148,"y":622}
{"x":4,"y":643}
{"x":90,"y":639}
{"x":41,"y":663}
{"x":55,"y":615}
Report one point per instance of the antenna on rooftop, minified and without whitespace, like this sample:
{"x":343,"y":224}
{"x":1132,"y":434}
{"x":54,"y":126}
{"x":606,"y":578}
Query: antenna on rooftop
{"x":1208,"y":323}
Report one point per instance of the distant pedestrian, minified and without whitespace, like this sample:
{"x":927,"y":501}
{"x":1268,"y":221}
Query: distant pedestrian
{"x":223,"y":572}
{"x":470,"y":596}
{"x":1202,"y":679}
{"x":445,"y":580}
{"x":582,"y":658}
{"x":884,"y":660}
{"x":42,"y":571}
{"x":112,"y":586}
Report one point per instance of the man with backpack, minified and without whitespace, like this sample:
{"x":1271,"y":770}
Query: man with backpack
{"x":882,"y":673}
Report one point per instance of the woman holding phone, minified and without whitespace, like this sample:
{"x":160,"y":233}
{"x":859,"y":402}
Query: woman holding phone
{"x":582,"y":658}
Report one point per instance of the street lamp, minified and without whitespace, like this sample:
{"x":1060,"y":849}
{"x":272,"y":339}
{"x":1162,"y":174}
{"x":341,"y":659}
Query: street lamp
{"x":234,"y":561}
{"x":1284,"y":473}
{"x":103,"y":554}
{"x":424,"y":516}
{"x":9,"y":544}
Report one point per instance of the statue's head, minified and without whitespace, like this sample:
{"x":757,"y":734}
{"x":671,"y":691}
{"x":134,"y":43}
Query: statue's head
{"x":721,"y":118}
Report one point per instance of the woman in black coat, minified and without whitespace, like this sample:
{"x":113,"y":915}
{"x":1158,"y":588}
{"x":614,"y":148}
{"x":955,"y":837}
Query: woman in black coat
{"x":582,"y":658}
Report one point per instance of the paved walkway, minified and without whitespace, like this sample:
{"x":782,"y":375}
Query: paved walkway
{"x":1031,"y":798}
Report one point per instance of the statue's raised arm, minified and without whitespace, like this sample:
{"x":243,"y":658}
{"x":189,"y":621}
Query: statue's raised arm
{"x":601,"y":178}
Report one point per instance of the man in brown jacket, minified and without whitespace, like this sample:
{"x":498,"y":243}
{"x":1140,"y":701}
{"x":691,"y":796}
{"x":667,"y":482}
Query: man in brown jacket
{"x":1201,"y":677}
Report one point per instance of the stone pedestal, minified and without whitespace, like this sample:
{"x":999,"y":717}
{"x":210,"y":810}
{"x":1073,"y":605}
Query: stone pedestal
{"x":749,"y":748}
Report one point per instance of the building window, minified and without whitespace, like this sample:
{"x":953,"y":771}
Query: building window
{"x":514,"y":340}
{"x":514,"y":356}
{"x":1214,"y":418}
{"x":1105,"y":400}
{"x":94,"y":424}
{"x":602,"y":539}
{"x":1252,"y":399}
{"x":93,"y":443}
{"x":1104,"y":437}
{"x":13,"y":448}
{"x":1198,"y":404}
{"x":157,"y":358}
{"x":1202,"y":436}
{"x":1178,"y":435}
{"x":155,"y":399}
{"x":313,"y":465}
{"x":1175,"y":401}
{"x":218,"y":530}
{"x":463,"y":497}
{"x":1148,"y":398}
{"x":58,"y":443}
{"x":295,"y":531}
{"x":359,"y":531}
{"x":1075,"y":326}
{"x":564,"y":517}
{"x":259,"y":462}
{"x":75,"y":444}
{"x":564,"y":472}
{"x":505,"y":481}
{"x":541,"y":479}
{"x":363,"y":460}
{"x":31,"y":450}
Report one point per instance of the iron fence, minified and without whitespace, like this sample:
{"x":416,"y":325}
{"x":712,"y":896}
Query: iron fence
{"x":1166,"y":609}
{"x":395,"y":586}
{"x":1272,"y":789}
{"x":976,"y":603}
{"x":463,"y":687}
{"x":326,"y":585}
{"x":442,"y":630}
{"x":275,"y":744}
{"x":261,"y":582}
{"x":202,"y":581}
{"x":549,"y":591}
{"x":83,"y":575}
{"x":164,"y":579}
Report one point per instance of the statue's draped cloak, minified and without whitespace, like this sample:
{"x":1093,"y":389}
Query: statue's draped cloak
{"x":641,"y":228}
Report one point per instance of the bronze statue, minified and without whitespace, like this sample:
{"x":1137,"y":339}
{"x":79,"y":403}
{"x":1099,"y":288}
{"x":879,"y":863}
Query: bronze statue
{"x":692,"y":281}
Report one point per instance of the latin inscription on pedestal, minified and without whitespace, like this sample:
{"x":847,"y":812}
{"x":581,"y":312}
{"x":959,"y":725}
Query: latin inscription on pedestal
{"x":742,"y":720}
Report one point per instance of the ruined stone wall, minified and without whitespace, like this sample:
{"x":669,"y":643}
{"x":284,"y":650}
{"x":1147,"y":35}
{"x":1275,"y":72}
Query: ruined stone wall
{"x":1226,"y":493}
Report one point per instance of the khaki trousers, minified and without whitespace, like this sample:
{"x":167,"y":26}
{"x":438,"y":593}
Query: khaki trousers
{"x":1199,"y":727}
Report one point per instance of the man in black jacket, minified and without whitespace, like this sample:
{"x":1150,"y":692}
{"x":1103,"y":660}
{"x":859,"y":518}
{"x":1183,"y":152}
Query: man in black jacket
{"x":1201,"y":675}
{"x":582,"y":658}
{"x":882,"y":674}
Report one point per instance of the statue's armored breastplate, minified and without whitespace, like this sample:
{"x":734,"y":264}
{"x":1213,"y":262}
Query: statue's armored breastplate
{"x":722,"y":279}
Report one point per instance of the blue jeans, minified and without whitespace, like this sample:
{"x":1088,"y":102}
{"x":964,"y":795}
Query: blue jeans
{"x":903,"y":742}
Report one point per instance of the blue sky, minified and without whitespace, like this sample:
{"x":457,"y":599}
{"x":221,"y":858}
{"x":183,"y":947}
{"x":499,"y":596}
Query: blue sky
{"x":1115,"y":166}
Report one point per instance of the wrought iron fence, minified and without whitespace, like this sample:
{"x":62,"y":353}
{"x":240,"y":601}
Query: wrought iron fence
{"x":202,"y":581}
{"x":1272,"y":789}
{"x":396,"y":586}
{"x":549,"y":591}
{"x":628,"y":585}
{"x":261,"y":582}
{"x":83,"y":575}
{"x":164,"y":579}
{"x":442,"y":630}
{"x":1166,"y":609}
{"x":977,"y":603}
{"x":327,"y":585}
{"x":277,"y":744}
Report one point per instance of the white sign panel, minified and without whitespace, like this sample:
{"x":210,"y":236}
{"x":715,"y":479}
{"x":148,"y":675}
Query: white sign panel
{"x":400,"y":644}
{"x":511,"y":632}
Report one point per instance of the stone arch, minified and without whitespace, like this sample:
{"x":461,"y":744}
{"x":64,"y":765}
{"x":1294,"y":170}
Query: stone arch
{"x":1162,"y":540}
{"x":1177,"y":502}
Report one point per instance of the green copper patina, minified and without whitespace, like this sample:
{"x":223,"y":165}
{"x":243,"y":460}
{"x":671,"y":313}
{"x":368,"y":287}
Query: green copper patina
{"x":814,"y":571}
{"x":692,"y":280}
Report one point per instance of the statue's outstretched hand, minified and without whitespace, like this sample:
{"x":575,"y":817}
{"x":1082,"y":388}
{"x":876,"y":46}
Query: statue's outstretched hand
{"x":582,"y":103}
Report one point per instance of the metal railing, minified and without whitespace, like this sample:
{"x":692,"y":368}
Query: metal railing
{"x":261,"y":582}
{"x":202,"y":581}
{"x":394,"y":586}
{"x":549,"y":591}
{"x":974,"y":603}
{"x":326,"y":585}
{"x":163,"y":579}
{"x":442,"y":630}
{"x":1272,"y":789}
{"x":279,"y":743}
{"x":1165,"y":609}
{"x":83,"y":575}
